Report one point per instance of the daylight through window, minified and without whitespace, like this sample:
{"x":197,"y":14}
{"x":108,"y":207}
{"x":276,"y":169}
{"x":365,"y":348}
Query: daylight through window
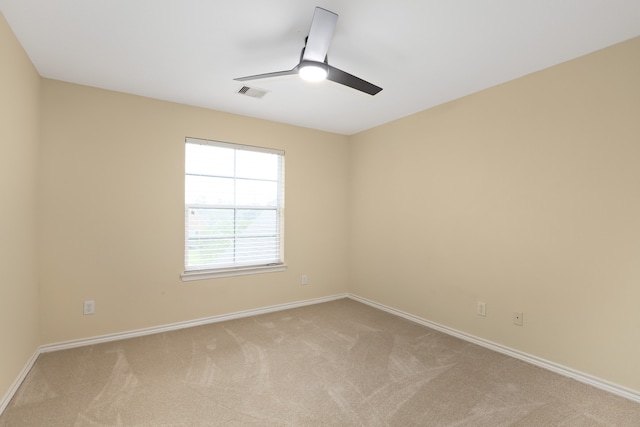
{"x":234,"y":201}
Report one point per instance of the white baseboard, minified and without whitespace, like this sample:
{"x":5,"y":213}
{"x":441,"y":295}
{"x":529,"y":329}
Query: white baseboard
{"x":16,"y":384}
{"x":149,"y":331}
{"x":181,"y":325}
{"x":534,"y":360}
{"x":551,"y":366}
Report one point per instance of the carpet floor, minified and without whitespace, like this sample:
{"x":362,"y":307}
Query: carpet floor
{"x":339,"y":363}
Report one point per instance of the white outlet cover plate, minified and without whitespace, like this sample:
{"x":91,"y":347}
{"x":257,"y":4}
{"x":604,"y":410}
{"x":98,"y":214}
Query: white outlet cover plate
{"x":517,"y":318}
{"x":481,"y":309}
{"x":89,"y":307}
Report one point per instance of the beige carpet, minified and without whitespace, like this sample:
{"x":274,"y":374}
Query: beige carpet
{"x":340,"y":363}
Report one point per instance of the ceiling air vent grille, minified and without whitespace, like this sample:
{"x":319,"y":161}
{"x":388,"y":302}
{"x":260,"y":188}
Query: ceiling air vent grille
{"x":252,"y":92}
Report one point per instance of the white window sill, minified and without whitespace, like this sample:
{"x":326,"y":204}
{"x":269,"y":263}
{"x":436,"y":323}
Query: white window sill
{"x":188,"y":276}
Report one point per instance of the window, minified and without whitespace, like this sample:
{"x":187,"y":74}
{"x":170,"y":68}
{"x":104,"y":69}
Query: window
{"x":234,"y":209}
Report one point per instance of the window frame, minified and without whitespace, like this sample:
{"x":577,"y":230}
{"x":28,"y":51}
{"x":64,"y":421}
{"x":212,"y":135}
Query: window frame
{"x":197,"y":273}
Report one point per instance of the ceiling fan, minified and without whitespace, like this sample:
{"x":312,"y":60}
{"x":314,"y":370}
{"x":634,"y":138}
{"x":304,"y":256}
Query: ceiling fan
{"x":313,"y":64}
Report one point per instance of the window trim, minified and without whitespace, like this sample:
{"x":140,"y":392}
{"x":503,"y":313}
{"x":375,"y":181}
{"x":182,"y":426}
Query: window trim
{"x":240,"y":270}
{"x":191,"y":275}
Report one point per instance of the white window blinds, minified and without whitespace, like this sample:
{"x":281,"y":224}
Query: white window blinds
{"x":234,"y":205}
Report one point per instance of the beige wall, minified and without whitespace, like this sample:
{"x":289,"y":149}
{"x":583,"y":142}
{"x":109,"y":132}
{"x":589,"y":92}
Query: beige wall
{"x":525,"y":196}
{"x":112,"y":213}
{"x":19,"y":137}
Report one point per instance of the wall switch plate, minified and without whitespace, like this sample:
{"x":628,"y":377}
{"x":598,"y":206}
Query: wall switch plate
{"x":481,"y":309}
{"x":89,"y":307}
{"x":517,"y":318}
{"x":304,"y":280}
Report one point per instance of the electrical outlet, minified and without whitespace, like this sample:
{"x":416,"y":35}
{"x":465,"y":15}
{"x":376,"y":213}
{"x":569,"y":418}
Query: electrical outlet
{"x":304,"y":280}
{"x":481,"y":309}
{"x":517,"y":318}
{"x":89,"y":307}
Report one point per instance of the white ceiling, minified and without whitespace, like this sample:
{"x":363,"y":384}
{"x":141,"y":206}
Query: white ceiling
{"x":421,"y":52}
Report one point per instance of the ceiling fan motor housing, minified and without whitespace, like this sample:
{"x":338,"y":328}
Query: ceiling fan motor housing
{"x":313,"y":71}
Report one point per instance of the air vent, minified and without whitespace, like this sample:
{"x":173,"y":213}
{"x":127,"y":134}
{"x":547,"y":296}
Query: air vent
{"x":252,"y":92}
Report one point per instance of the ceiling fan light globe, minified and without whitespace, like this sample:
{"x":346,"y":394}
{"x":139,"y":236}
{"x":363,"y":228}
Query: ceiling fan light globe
{"x":312,"y":72}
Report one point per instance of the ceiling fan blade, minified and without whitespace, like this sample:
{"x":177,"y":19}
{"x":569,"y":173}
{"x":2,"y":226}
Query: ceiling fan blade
{"x":294,"y":70}
{"x":320,"y":34}
{"x":344,"y":78}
